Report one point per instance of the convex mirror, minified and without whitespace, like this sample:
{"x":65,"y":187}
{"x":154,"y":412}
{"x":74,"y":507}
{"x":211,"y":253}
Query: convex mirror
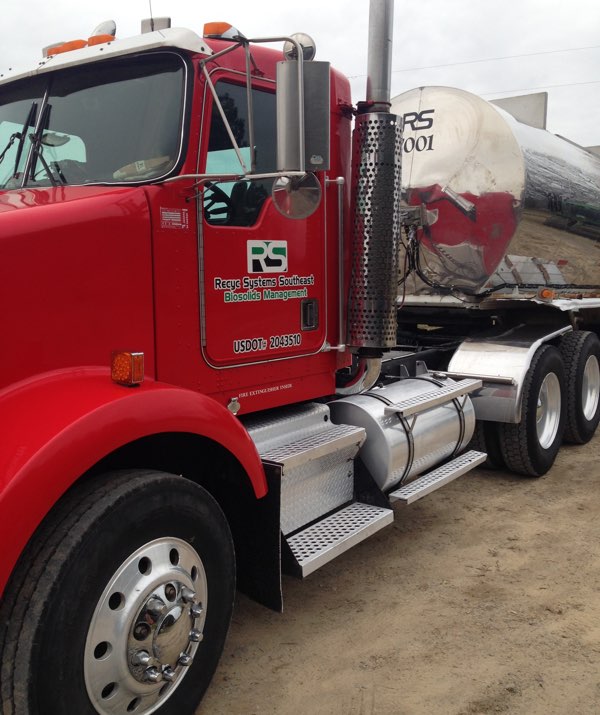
{"x":296,"y":196}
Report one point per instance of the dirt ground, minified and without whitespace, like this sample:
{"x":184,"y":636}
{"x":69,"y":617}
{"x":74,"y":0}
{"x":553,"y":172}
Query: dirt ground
{"x":481,"y":598}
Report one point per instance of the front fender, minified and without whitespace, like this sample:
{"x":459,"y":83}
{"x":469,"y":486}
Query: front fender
{"x":57,"y":426}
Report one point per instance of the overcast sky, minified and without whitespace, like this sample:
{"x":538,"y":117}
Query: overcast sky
{"x":561,"y":41}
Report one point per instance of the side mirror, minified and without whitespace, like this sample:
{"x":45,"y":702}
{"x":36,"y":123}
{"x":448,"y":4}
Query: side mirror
{"x":315,"y":112}
{"x":296,"y":196}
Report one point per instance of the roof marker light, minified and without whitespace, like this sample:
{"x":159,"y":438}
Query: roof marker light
{"x":66,"y":47}
{"x":47,"y":50}
{"x":104,"y":32}
{"x":220,"y":31}
{"x":99,"y":39}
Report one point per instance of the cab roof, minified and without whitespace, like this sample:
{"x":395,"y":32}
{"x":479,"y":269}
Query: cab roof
{"x":175,"y":37}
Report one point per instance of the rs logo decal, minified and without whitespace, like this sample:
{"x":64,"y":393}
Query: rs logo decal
{"x":267,"y":256}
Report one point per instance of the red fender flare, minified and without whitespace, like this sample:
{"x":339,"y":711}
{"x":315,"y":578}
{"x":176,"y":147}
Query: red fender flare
{"x":58,"y":425}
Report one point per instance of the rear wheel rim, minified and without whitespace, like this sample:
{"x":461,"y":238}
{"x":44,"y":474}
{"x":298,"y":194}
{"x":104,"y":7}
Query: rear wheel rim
{"x":590,"y":388}
{"x":548,"y":410}
{"x":146,"y":628}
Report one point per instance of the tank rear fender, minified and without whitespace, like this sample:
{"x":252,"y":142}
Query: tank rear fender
{"x":502,"y":363}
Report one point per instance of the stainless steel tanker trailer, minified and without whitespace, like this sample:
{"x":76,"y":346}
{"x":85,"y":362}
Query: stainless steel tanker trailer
{"x":500,"y":272}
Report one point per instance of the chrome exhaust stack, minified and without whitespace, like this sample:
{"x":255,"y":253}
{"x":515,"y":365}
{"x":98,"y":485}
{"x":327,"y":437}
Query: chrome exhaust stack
{"x":379,"y":62}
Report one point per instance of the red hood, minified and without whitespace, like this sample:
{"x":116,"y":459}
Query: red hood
{"x":75,"y":277}
{"x":55,"y":196}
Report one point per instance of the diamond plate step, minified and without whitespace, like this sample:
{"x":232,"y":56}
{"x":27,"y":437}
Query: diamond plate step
{"x":330,"y":440}
{"x":431,"y":481}
{"x":273,"y":429}
{"x":324,"y":541}
{"x":423,"y":402}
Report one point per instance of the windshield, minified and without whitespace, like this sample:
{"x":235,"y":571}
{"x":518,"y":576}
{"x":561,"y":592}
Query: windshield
{"x":102,"y":123}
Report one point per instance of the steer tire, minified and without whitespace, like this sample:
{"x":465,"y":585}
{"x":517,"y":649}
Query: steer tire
{"x":61,"y":582}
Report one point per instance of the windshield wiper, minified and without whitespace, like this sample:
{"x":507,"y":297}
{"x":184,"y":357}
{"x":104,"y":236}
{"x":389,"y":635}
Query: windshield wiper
{"x":9,"y":143}
{"x":28,"y":122}
{"x":20,"y":136}
{"x":38,"y":151}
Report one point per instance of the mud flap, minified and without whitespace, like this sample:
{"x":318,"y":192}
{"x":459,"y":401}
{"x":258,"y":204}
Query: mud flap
{"x":258,"y":546}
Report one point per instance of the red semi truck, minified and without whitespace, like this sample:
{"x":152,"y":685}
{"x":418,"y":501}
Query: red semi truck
{"x":203,"y":379}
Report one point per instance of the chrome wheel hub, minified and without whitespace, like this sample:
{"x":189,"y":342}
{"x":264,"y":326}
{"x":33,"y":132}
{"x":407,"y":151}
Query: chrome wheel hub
{"x":590,"y":387}
{"x":146,"y":629}
{"x":548,"y":410}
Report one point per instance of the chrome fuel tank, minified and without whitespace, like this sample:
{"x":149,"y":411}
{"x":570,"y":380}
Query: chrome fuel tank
{"x":398,"y":449}
{"x":508,"y":205}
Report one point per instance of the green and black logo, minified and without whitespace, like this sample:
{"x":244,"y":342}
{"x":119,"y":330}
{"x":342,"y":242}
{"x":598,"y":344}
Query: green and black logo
{"x":267,"y":256}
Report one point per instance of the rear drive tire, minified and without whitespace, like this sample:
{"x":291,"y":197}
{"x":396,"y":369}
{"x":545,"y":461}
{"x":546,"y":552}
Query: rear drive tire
{"x":530,"y":447}
{"x":121,"y":603}
{"x":581,"y":354}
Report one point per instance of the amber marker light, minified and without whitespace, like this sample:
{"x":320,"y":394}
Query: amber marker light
{"x":67,"y":47}
{"x":217,"y":29}
{"x":546,"y":294}
{"x":99,"y":39}
{"x":127,"y":368}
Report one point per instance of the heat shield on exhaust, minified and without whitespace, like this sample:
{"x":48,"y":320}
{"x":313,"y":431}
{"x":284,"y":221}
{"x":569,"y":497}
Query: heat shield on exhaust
{"x":376,"y":183}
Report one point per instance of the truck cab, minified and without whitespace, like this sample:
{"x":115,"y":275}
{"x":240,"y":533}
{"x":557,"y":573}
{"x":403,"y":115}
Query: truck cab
{"x":194,"y":265}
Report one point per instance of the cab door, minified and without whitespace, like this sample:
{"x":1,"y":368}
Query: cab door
{"x":262,"y":274}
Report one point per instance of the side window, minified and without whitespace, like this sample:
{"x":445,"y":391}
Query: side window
{"x":238,"y":203}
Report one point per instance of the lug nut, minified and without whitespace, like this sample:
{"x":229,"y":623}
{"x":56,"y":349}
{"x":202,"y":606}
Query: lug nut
{"x":142,"y":657}
{"x":187,"y":594}
{"x":153,"y":675}
{"x":196,"y":610}
{"x":168,"y":673}
{"x":185,"y":659}
{"x":196,"y":636}
{"x":141,"y":631}
{"x":156,"y":606}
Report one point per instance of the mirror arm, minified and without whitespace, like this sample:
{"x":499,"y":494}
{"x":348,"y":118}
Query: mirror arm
{"x":250,"y":109}
{"x":245,"y":42}
{"x":200,"y":179}
{"x":300,"y":60}
{"x":340,"y":182}
{"x":219,"y":54}
{"x":301,"y":147}
{"x":224,"y":118}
